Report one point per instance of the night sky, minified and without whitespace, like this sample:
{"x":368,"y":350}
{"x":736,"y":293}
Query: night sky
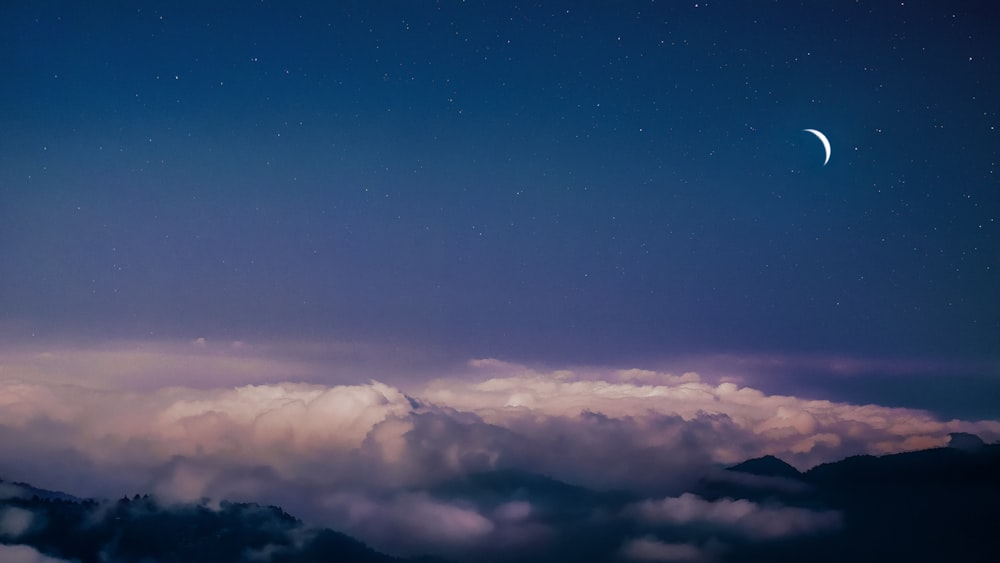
{"x":327,"y":254}
{"x":550,"y":182}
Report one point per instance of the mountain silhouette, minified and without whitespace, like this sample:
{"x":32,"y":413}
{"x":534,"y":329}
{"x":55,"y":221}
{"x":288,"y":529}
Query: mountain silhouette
{"x":930,"y":505}
{"x":767,"y":466}
{"x":141,"y":529}
{"x":24,"y":490}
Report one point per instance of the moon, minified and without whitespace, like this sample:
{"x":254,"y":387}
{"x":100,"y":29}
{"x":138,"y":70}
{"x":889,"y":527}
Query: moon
{"x":824,"y":140}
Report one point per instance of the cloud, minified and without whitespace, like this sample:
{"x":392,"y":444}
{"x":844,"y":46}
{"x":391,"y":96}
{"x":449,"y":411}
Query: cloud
{"x":417,"y":517}
{"x":513,"y":511}
{"x":15,"y":521}
{"x":208,"y":363}
{"x":274,"y":423}
{"x":356,"y":456}
{"x":651,"y":549}
{"x":10,"y":490}
{"x":762,"y":482}
{"x":806,"y":432}
{"x":738,"y":516}
{"x":25,"y":554}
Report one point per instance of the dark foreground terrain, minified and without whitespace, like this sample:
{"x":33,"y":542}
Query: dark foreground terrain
{"x":931,"y":505}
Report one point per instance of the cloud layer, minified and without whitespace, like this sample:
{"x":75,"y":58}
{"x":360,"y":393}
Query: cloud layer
{"x":362,"y":458}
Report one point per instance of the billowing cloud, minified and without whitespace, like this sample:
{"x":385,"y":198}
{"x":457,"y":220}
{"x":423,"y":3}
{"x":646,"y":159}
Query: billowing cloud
{"x":804,"y":432}
{"x":361,"y":457}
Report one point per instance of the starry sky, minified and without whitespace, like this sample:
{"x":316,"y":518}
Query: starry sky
{"x":566,"y":183}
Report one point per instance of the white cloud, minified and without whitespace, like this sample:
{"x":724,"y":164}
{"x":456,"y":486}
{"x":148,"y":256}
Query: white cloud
{"x":66,"y":423}
{"x":738,"y":516}
{"x":277,"y":424}
{"x":805,"y":432}
{"x":583,"y":426}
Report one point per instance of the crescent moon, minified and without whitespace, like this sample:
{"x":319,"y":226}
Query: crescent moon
{"x":824,"y":140}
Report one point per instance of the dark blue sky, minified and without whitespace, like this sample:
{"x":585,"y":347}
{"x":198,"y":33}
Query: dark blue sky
{"x":566,"y":182}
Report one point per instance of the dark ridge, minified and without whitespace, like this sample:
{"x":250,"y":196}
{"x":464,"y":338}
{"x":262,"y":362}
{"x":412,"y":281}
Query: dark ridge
{"x":923,"y":506}
{"x":935,"y":467}
{"x":965,"y":441}
{"x":141,"y":529}
{"x":929,"y":505}
{"x":767,"y":466}
{"x":24,"y":490}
